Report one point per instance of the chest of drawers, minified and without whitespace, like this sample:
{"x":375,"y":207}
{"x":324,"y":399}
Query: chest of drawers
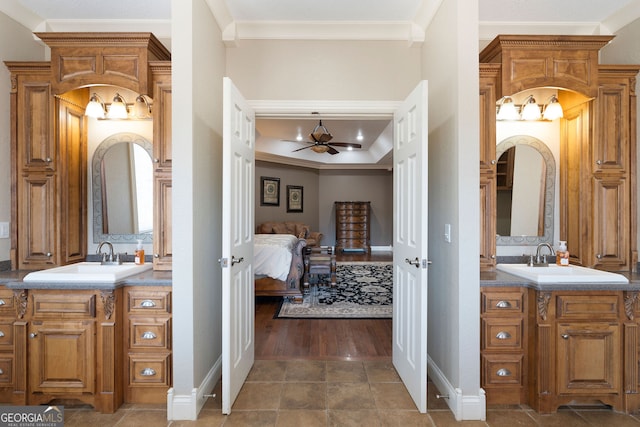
{"x":353,"y":226}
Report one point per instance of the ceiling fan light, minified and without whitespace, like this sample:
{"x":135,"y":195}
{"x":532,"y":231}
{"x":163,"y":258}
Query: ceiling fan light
{"x":320,"y":148}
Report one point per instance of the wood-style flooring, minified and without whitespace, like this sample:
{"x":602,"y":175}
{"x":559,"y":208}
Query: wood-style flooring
{"x":322,"y":339}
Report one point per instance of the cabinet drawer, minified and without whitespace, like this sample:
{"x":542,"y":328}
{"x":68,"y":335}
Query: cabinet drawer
{"x":502,"y":369}
{"x":587,"y":307}
{"x":7,"y":305}
{"x":353,"y":219}
{"x":502,"y":334}
{"x":6,"y":371}
{"x":6,"y":334}
{"x":149,"y":333}
{"x":351,"y":243}
{"x":353,"y":235}
{"x":501,"y":302}
{"x":63,"y":305}
{"x":149,"y":369}
{"x":144,"y":301}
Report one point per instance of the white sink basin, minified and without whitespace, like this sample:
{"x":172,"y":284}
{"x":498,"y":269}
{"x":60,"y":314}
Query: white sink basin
{"x":87,"y":272}
{"x":562,"y":274}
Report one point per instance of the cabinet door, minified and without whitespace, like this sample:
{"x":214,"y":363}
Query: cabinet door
{"x":611,"y":223}
{"x":487,"y":222}
{"x":589,"y":358}
{"x":38,"y":221}
{"x":61,"y":357}
{"x":162,"y":125}
{"x":611,"y":142}
{"x":162,"y":250}
{"x":34,"y":114}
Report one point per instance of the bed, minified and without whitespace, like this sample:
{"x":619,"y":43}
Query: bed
{"x":278,"y":265}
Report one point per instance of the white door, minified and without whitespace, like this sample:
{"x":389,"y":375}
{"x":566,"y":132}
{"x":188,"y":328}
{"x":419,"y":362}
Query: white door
{"x":238,"y":188}
{"x":410,"y":139}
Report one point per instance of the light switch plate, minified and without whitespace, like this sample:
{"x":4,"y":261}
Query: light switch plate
{"x":4,"y":230}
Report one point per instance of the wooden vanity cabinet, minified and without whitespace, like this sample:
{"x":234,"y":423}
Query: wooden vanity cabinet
{"x":148,"y":344}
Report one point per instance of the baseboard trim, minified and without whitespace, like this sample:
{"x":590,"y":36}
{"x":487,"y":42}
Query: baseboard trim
{"x":464,"y":407}
{"x":188,"y":406}
{"x":381,"y":248}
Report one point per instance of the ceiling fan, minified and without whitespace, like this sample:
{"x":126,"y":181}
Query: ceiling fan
{"x":320,"y":138}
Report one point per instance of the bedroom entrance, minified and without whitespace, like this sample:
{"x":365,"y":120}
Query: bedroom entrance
{"x":408,"y":327}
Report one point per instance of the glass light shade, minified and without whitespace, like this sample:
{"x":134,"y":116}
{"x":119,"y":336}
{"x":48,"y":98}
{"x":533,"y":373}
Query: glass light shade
{"x":94,"y":108}
{"x":141,"y":108}
{"x":118,"y":108}
{"x":531,"y":110}
{"x":320,"y":148}
{"x":553,"y":110}
{"x":507,"y":110}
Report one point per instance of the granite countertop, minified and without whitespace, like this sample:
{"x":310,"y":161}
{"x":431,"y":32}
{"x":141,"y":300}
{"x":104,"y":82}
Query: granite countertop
{"x":500,"y":278}
{"x":13,"y":279}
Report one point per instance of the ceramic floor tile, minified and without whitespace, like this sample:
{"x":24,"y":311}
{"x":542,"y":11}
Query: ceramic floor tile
{"x":306,"y":371}
{"x":446,"y":419}
{"x":381,"y":371}
{"x":88,"y":417}
{"x":393,"y":418}
{"x":346,"y":371}
{"x":206,"y":418}
{"x":562,"y":418}
{"x":350,"y":396}
{"x":392,"y":396}
{"x":609,"y":418}
{"x":268,"y":370}
{"x":298,"y":418}
{"x":251,"y":419}
{"x":509,"y":418}
{"x":351,"y":418}
{"x":262,"y":396}
{"x":300,"y":395}
{"x":144,"y":418}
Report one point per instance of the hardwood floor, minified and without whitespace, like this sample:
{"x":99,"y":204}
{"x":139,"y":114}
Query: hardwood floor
{"x":322,"y":339}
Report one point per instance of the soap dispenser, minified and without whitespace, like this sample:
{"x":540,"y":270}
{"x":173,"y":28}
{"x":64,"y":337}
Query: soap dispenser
{"x":562,"y":254}
{"x":139,"y":254}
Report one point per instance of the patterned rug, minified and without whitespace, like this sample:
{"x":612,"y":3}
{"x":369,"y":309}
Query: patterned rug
{"x":363,"y":290}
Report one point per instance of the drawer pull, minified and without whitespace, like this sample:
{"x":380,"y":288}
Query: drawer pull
{"x":1,"y":372}
{"x":503,"y":304}
{"x":1,"y":334}
{"x":149,"y":336}
{"x":147,"y":372}
{"x":565,"y":336}
{"x":2,"y":302}
{"x":503,"y":372}
{"x":147,"y":303}
{"x":503,"y":335}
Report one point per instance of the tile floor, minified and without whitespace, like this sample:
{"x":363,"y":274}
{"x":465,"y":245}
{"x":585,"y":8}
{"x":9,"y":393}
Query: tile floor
{"x":336,"y":393}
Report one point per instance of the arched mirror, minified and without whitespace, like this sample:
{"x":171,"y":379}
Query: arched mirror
{"x":122,"y":189}
{"x":525,"y":187}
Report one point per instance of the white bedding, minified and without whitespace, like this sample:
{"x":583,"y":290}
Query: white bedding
{"x":272,"y":255}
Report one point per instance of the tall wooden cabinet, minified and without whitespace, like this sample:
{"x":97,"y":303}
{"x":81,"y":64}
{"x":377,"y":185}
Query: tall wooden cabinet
{"x":353,"y":226}
{"x":598,"y":149}
{"x":49,"y":140}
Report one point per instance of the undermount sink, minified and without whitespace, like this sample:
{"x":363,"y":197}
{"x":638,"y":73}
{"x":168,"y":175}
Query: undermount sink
{"x":562,"y":274}
{"x":87,"y":272}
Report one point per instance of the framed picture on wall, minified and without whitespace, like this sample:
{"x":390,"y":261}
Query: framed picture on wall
{"x":269,"y":191}
{"x":294,"y":198}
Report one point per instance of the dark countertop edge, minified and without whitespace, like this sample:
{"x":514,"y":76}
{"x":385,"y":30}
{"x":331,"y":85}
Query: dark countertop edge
{"x":502,"y":279}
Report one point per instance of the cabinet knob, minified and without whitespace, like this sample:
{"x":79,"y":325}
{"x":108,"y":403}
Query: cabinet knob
{"x":156,"y":160}
{"x":598,"y":162}
{"x":503,"y":335}
{"x":599,"y":256}
{"x":147,"y":372}
{"x":148,"y":335}
{"x":48,"y":160}
{"x":503,"y":372}
{"x":156,"y":255}
{"x":33,"y":335}
{"x":2,"y":302}
{"x":1,"y":372}
{"x":503,"y":304}
{"x":565,"y":336}
{"x":493,"y":162}
{"x":1,"y":334}
{"x":49,"y":254}
{"x":147,"y":303}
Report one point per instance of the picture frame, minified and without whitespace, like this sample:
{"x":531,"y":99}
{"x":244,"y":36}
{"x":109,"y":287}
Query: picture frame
{"x":294,"y":198}
{"x":269,"y":191}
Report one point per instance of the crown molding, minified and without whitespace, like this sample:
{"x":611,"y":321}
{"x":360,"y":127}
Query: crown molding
{"x":324,"y":108}
{"x":289,"y":161}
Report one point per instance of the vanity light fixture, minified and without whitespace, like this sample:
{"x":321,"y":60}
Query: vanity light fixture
{"x":553,"y":109}
{"x":95,"y":108}
{"x":141,"y":108}
{"x":507,"y":109}
{"x":531,"y":110}
{"x":118,"y":108}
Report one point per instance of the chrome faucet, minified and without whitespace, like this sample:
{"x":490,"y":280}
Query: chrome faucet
{"x":544,"y":257}
{"x":104,"y":255}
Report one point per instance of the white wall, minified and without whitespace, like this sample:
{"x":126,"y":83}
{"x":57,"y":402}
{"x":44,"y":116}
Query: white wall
{"x":198,"y":60}
{"x":450,"y":64}
{"x":16,"y":44}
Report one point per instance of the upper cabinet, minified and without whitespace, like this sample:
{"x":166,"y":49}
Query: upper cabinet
{"x":49,"y":138}
{"x":597,"y":141}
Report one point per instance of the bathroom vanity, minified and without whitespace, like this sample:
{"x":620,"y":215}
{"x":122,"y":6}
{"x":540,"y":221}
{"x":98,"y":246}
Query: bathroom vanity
{"x":102,"y":344}
{"x":551,"y":344}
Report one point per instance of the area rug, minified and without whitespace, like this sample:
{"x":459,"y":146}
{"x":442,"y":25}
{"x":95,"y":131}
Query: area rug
{"x":363,"y":290}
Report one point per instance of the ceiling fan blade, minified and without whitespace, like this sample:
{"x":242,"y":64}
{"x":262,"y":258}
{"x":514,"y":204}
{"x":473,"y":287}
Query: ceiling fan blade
{"x":332,"y":150}
{"x":346,"y":144}
{"x":303,"y":148}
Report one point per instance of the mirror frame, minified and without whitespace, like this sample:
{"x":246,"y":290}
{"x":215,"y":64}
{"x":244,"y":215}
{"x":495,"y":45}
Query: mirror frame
{"x":549,"y":197}
{"x":96,"y":187}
